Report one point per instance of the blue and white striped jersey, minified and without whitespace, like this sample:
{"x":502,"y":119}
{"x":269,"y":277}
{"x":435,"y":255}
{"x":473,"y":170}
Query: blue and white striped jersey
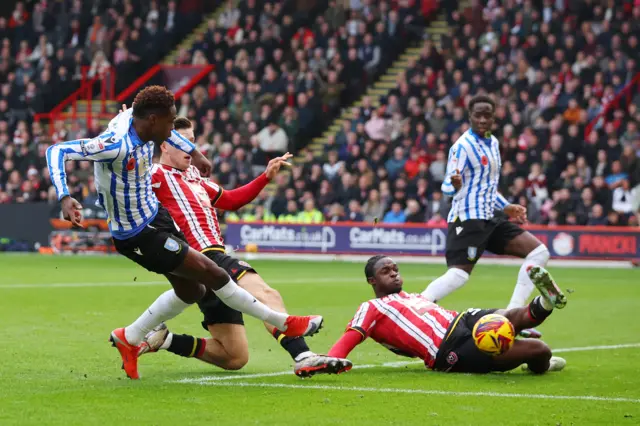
{"x":478,"y":161}
{"x":122,"y":163}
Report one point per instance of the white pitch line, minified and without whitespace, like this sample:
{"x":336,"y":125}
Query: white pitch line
{"x":597,"y":348}
{"x":166,"y":283}
{"x":220,"y":378}
{"x":425,"y":391}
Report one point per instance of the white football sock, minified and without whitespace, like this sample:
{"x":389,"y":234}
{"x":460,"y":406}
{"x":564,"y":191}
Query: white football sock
{"x":524,"y":286}
{"x":241,"y":300}
{"x":167,"y":341}
{"x":166,"y":306}
{"x":452,"y":280}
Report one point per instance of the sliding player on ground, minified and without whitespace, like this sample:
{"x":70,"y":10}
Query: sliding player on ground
{"x":142,"y":229}
{"x":411,"y":325}
{"x":479,"y":216}
{"x":192,"y":201}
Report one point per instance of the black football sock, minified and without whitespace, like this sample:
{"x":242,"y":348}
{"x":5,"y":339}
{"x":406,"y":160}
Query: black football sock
{"x":187,"y":346}
{"x":538,"y":311}
{"x":296,"y":346}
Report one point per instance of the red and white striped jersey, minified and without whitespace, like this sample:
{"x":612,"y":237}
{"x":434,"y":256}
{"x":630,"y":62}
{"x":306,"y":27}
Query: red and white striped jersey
{"x":407,"y":324}
{"x":189,"y":198}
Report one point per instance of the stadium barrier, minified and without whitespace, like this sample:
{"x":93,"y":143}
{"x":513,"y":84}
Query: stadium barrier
{"x":565,"y":242}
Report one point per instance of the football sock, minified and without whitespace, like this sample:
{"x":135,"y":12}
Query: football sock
{"x":540,"y":309}
{"x":186,"y":346}
{"x":524,"y":285}
{"x":167,"y":341}
{"x":241,"y":300}
{"x":165,"y":307}
{"x":296,"y":346}
{"x":452,"y":280}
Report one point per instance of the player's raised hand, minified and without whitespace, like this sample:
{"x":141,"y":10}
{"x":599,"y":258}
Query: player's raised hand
{"x":517,"y":212}
{"x":72,"y":211}
{"x":201,"y":162}
{"x":456,"y":180}
{"x":274,"y":165}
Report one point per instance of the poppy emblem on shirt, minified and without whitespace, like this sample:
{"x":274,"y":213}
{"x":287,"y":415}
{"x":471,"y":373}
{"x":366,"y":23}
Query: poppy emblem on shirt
{"x":131,"y":164}
{"x":485,"y":160}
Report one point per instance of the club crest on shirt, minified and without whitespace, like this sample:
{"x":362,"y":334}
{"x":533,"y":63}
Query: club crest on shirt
{"x":172,"y":245}
{"x":452,"y":358}
{"x":472,"y":252}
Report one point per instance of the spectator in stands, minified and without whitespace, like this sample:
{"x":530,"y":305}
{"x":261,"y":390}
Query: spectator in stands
{"x":395,"y":215}
{"x":273,"y":139}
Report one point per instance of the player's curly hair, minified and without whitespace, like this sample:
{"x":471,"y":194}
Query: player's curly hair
{"x":484,"y":99}
{"x":153,"y":100}
{"x":182,"y":123}
{"x":369,"y":268}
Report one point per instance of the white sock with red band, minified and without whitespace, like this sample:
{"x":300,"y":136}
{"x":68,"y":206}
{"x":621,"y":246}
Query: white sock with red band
{"x":168,"y":305}
{"x":234,"y":296}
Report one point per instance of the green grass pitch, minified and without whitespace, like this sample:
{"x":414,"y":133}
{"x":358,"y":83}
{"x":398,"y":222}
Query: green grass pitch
{"x":58,"y":368}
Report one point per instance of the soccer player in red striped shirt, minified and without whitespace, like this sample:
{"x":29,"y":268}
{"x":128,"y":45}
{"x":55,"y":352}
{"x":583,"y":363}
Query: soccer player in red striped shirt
{"x":409,"y":324}
{"x":192,"y":201}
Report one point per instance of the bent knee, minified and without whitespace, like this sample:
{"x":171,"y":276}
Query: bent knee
{"x":236,"y":362}
{"x":269,"y":293}
{"x":539,"y":255}
{"x":540,"y":350}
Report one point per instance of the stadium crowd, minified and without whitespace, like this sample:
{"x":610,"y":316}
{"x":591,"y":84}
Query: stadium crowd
{"x":280,"y":75}
{"x":45,"y":49}
{"x":550,"y":68}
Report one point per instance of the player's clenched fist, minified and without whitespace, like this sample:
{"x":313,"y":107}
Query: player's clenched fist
{"x":456,"y":180}
{"x":274,"y":165}
{"x":516,"y":212}
{"x":72,"y":210}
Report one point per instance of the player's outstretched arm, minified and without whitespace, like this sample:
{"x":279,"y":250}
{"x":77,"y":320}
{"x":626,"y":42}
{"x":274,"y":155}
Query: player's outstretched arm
{"x":236,"y":198}
{"x":455,"y":166}
{"x":97,"y":149}
{"x":349,"y":340}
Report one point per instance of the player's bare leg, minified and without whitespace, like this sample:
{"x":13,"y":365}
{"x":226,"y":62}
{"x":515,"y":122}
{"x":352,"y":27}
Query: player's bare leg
{"x":189,"y":281}
{"x":532,"y":352}
{"x":200,"y":269}
{"x":227,"y":348}
{"x":526,"y":246}
{"x":307,"y":363}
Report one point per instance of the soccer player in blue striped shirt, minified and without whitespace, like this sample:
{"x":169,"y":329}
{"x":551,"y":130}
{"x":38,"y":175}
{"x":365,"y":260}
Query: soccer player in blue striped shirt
{"x":479,"y":216}
{"x":143,"y":230}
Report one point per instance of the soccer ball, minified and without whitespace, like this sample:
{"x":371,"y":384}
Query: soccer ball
{"x":493,"y":334}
